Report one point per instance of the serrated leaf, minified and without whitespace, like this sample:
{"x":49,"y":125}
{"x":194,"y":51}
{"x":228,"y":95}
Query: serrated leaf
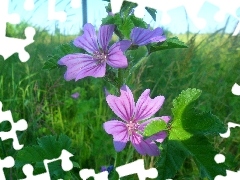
{"x":49,"y":147}
{"x":189,"y":128}
{"x":204,"y":123}
{"x":138,"y":22}
{"x":203,"y":154}
{"x":183,"y":100}
{"x":108,"y":20}
{"x":51,"y":63}
{"x":172,"y":157}
{"x":125,"y":27}
{"x":170,"y":43}
{"x":152,"y":12}
{"x":154,"y":127}
{"x":59,"y":52}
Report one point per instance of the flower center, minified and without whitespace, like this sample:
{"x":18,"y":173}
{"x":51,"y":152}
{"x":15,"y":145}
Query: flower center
{"x":100,"y":57}
{"x":132,"y":127}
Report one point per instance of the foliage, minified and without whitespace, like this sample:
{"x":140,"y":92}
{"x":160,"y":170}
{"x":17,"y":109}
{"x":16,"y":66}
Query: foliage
{"x":44,"y":99}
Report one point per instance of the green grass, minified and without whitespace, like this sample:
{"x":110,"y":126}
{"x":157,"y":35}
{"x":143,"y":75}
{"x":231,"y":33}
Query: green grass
{"x":43,"y":98}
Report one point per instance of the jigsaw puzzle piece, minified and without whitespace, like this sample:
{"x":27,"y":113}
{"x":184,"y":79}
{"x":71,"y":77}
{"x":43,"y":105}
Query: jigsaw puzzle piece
{"x":231,"y":175}
{"x":225,"y":8}
{"x":28,"y":171}
{"x":236,"y":87}
{"x":87,"y":173}
{"x":66,"y":166}
{"x":230,"y":125}
{"x":192,"y":8}
{"x":53,"y":15}
{"x":5,"y":17}
{"x":75,"y":3}
{"x":219,"y":158}
{"x":29,"y":5}
{"x":7,"y":162}
{"x":137,"y":167}
{"x":9,"y":45}
{"x":20,"y":125}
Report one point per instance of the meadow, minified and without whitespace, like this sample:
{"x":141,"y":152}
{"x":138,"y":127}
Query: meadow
{"x":43,"y":98}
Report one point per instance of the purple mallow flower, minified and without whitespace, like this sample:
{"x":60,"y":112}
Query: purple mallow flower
{"x":105,"y":168}
{"x":75,"y":95}
{"x":94,"y":64}
{"x":132,"y":125}
{"x":141,"y":36}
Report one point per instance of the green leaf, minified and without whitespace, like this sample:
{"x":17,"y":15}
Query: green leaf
{"x":203,"y":153}
{"x":125,"y":27}
{"x":127,"y":8}
{"x":58,"y":53}
{"x":182,"y":101}
{"x":49,"y":147}
{"x":152,"y":12}
{"x":188,"y":134}
{"x":204,"y":123}
{"x":171,"y":159}
{"x":170,"y":43}
{"x":51,"y":63}
{"x":109,"y":20}
{"x":138,"y":22}
{"x":154,"y":127}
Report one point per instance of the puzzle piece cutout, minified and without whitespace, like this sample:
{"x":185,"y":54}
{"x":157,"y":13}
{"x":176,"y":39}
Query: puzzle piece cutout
{"x":230,"y":125}
{"x":136,"y":167}
{"x":7,"y":162}
{"x":225,"y":8}
{"x":219,"y":158}
{"x":60,"y":15}
{"x":66,"y":166}
{"x":9,"y":45}
{"x":192,"y":9}
{"x":29,"y":5}
{"x":164,"y":7}
{"x":236,"y":87}
{"x":76,"y":3}
{"x":20,"y":125}
{"x":87,"y":173}
{"x":53,"y":15}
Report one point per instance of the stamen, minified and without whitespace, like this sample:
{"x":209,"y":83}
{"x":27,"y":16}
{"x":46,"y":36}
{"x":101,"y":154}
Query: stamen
{"x":100,"y":57}
{"x":132,"y":127}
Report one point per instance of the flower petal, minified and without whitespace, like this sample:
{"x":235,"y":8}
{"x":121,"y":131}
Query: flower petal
{"x":105,"y":35}
{"x":75,"y":63}
{"x":146,"y":107}
{"x":119,"y":131}
{"x":124,"y":105}
{"x":88,"y":41}
{"x":159,"y":137}
{"x":93,"y":69}
{"x":116,"y":58}
{"x":141,"y":36}
{"x":144,"y":147}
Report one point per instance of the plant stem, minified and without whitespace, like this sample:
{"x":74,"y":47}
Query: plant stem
{"x":120,"y":78}
{"x":116,"y":164}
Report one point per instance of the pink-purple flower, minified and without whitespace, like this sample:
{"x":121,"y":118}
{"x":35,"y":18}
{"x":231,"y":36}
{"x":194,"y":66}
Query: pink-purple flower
{"x":141,"y":36}
{"x":75,"y":95}
{"x":134,"y":118}
{"x":94,"y":64}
